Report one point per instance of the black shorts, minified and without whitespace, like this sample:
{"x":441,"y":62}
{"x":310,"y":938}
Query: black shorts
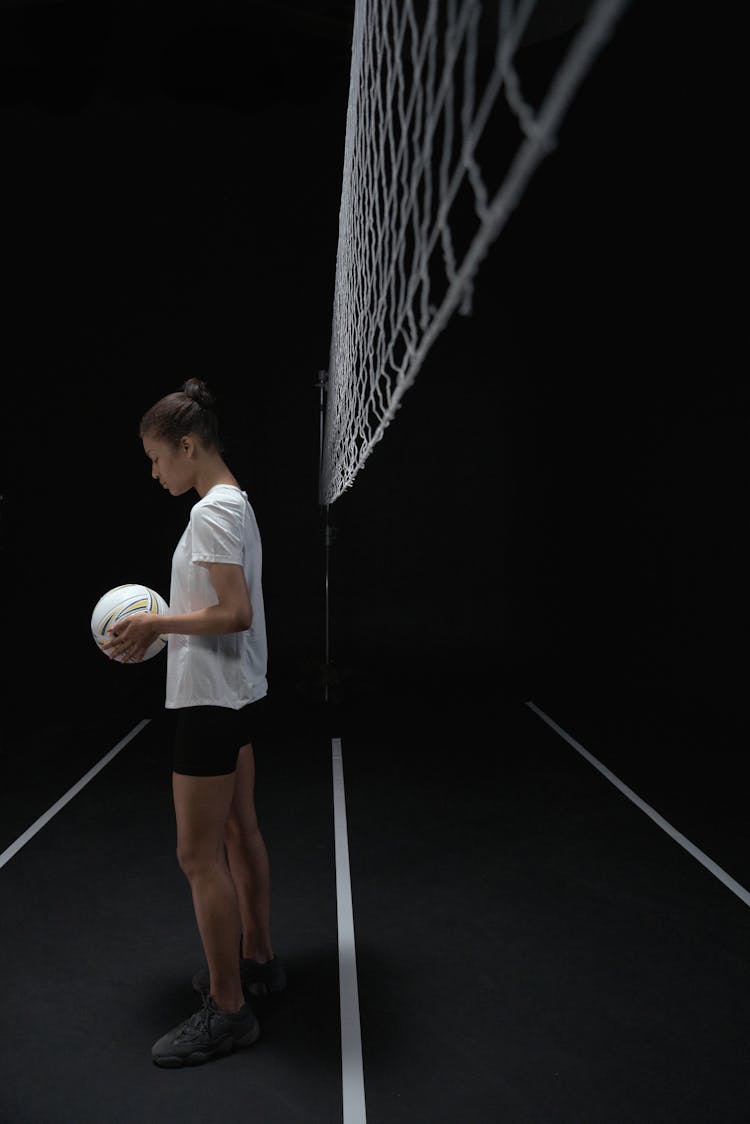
{"x":208,"y":738}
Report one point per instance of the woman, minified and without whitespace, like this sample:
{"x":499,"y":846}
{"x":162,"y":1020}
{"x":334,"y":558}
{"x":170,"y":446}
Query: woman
{"x":216,"y":681}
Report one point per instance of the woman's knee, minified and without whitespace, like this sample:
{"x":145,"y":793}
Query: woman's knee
{"x":201,"y":808}
{"x":195,"y":861}
{"x":241,"y":825}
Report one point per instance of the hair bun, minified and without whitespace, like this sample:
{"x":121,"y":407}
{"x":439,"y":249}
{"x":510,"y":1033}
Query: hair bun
{"x":199,"y":392}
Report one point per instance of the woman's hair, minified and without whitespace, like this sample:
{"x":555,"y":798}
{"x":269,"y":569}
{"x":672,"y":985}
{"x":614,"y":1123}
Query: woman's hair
{"x":188,"y":410}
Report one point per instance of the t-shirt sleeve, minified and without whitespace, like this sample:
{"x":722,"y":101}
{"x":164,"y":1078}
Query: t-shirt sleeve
{"x":216,"y":534}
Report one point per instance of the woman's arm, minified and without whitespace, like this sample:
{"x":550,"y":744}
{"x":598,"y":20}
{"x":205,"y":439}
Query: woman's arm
{"x":233,"y":613}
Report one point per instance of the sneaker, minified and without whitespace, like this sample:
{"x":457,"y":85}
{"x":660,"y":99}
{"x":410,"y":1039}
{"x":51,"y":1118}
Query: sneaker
{"x":257,"y":979}
{"x":207,"y":1034}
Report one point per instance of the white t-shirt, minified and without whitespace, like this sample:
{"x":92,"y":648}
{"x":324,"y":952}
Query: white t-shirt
{"x":228,"y":669}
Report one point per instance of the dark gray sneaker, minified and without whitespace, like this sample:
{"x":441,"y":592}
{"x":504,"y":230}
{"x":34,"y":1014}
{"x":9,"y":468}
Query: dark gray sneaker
{"x":207,"y":1034}
{"x":257,"y":979}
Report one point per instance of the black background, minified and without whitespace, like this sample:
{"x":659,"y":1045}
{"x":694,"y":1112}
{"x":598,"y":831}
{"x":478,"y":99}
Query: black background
{"x":561,"y":498}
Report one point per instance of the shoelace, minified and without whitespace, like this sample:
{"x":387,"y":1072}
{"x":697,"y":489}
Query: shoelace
{"x":199,"y":1024}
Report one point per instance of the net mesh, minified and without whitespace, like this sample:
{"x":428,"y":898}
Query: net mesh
{"x":443,"y":134}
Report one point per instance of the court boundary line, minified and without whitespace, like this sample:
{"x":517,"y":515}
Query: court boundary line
{"x":677,"y":836}
{"x":44,"y":819}
{"x":352,"y":1072}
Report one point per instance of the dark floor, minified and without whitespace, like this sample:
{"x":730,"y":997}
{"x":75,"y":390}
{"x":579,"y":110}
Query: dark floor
{"x":531,"y":947}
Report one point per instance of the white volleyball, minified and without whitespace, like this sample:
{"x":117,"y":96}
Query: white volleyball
{"x":124,"y":601}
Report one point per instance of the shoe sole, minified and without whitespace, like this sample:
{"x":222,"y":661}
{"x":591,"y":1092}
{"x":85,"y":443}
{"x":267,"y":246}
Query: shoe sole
{"x":199,"y":1057}
{"x":258,"y":989}
{"x":261,"y":989}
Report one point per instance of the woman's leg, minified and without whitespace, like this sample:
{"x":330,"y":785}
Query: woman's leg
{"x":248,"y":862}
{"x":202,"y":806}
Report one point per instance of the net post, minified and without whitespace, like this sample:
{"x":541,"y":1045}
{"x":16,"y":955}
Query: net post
{"x":322,"y":385}
{"x":329,"y":534}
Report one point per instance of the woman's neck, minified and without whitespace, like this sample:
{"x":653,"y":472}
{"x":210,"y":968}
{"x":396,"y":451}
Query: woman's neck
{"x":214,"y":472}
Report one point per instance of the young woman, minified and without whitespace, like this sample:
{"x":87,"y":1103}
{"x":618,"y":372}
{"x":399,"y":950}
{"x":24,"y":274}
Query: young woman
{"x":216,"y":681}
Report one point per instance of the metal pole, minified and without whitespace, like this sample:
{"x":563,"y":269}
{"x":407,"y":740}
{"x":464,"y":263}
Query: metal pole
{"x":323,"y":384}
{"x":328,"y":606}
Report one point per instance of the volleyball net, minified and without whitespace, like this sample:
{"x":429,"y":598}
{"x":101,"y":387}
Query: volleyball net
{"x":443,"y":133}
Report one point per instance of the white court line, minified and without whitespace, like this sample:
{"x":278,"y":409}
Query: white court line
{"x":678,"y":837}
{"x":22,"y":840}
{"x":352,"y":1075}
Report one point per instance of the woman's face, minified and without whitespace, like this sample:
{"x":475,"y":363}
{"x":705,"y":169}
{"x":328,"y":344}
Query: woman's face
{"x":172,"y":465}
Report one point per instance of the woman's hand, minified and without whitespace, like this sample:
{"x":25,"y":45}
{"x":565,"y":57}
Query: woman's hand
{"x":131,"y":637}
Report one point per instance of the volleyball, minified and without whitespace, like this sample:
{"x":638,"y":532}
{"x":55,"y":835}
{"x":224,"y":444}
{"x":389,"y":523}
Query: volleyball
{"x":124,"y":601}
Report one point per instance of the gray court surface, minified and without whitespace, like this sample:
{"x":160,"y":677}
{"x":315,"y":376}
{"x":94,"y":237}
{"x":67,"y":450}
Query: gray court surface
{"x":530,"y":946}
